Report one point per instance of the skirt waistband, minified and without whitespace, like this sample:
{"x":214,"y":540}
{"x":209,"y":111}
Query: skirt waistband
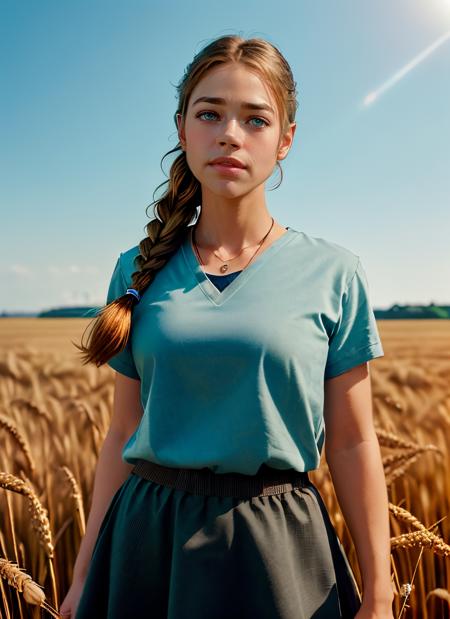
{"x":267,"y":481}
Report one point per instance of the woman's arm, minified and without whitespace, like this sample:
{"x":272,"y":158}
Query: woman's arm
{"x":353,"y":456}
{"x":111,"y":471}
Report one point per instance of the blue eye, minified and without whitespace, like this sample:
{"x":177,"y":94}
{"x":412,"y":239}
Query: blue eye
{"x":203,"y":113}
{"x":264,"y":122}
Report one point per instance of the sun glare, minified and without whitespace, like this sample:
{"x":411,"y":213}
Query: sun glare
{"x":403,"y":71}
{"x":443,"y":5}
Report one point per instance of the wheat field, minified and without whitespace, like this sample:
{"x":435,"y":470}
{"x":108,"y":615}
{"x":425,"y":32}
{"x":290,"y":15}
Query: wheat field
{"x":54,"y":413}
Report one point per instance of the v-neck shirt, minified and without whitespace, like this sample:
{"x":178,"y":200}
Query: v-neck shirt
{"x":233,"y":379}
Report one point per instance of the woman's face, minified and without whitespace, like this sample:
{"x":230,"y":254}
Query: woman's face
{"x":229,"y":128}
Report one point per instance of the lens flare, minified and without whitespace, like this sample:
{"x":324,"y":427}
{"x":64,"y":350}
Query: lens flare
{"x":375,"y":94}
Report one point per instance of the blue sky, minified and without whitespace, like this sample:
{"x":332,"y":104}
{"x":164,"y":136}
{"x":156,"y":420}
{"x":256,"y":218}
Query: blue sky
{"x":87,"y":98}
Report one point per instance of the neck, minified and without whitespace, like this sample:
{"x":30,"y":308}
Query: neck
{"x":230,"y":223}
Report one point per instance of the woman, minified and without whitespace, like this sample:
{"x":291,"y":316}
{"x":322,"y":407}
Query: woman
{"x":236,"y":342}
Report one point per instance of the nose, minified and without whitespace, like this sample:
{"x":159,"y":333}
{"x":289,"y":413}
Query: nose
{"x":230,"y":133}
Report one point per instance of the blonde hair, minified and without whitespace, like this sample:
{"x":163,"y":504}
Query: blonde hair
{"x":174,"y":211}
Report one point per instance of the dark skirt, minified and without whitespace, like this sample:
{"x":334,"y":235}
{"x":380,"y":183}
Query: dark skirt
{"x":192,"y":544}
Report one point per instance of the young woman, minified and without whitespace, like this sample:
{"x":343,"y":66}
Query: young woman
{"x":237,"y":342}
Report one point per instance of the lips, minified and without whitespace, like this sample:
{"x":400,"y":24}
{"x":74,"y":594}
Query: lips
{"x":232,"y":162}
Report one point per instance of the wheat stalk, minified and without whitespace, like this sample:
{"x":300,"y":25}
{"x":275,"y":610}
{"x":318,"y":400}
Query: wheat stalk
{"x":80,"y":407}
{"x":22,"y":582}
{"x":388,"y":439}
{"x":38,"y":513}
{"x":393,"y":403}
{"x":421,"y":538}
{"x":443,"y":594}
{"x":30,"y":406}
{"x":408,"y":460}
{"x":21,"y":441}
{"x":404,"y":515}
{"x":396,"y":459}
{"x":76,"y":496}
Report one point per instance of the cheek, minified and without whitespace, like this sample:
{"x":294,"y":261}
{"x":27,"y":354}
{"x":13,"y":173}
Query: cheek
{"x":196,"y":133}
{"x":265,"y":153}
{"x":264,"y":143}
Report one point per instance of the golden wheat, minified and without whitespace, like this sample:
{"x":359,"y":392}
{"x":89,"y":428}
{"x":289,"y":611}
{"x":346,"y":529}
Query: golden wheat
{"x":20,"y":440}
{"x":406,"y":516}
{"x":421,"y":538}
{"x":77,"y":498}
{"x":62,"y":410}
{"x":389,"y":439}
{"x":29,"y":405}
{"x":396,"y":465}
{"x":21,"y":581}
{"x":39,"y":517}
{"x":441,"y":593}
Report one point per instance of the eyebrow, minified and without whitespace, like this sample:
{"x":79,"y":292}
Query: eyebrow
{"x":245,"y":104}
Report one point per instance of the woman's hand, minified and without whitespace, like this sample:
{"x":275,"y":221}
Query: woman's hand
{"x":69,"y":605}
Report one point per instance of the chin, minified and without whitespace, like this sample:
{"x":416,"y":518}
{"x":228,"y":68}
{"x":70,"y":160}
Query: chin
{"x":230,"y":189}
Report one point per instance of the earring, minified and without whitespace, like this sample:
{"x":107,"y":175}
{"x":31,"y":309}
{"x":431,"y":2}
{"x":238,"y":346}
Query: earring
{"x":281,"y":176}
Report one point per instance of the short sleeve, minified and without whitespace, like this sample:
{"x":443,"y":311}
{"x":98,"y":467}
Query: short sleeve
{"x":123,"y":362}
{"x":355,"y":338}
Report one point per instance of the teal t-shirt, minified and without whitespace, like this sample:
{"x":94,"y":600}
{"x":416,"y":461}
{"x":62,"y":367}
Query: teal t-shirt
{"x":234,"y":379}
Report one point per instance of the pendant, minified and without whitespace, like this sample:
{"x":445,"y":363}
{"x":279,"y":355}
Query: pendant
{"x":224,"y":268}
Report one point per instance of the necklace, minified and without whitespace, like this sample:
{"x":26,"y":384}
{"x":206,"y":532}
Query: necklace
{"x":224,"y":267}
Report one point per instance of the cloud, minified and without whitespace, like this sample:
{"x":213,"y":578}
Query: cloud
{"x":26,"y":271}
{"x":20,"y":270}
{"x":72,"y":269}
{"x":78,"y":297}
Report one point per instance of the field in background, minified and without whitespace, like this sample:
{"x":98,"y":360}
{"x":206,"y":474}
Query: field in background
{"x":54,"y":413}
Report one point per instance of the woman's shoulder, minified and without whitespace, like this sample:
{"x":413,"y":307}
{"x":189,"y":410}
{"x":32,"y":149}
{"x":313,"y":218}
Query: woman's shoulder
{"x":127,"y":261}
{"x":328,"y":253}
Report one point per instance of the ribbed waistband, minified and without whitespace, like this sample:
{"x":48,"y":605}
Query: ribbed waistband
{"x":267,"y":480}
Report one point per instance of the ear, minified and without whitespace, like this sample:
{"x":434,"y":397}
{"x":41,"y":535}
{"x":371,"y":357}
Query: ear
{"x":286,"y":141}
{"x":181,"y":133}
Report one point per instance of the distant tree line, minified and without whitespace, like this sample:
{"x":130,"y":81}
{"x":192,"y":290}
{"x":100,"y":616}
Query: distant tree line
{"x":394,"y":312}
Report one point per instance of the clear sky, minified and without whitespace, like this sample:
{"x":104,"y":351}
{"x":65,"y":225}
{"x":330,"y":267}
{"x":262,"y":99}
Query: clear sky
{"x":87,"y":97}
